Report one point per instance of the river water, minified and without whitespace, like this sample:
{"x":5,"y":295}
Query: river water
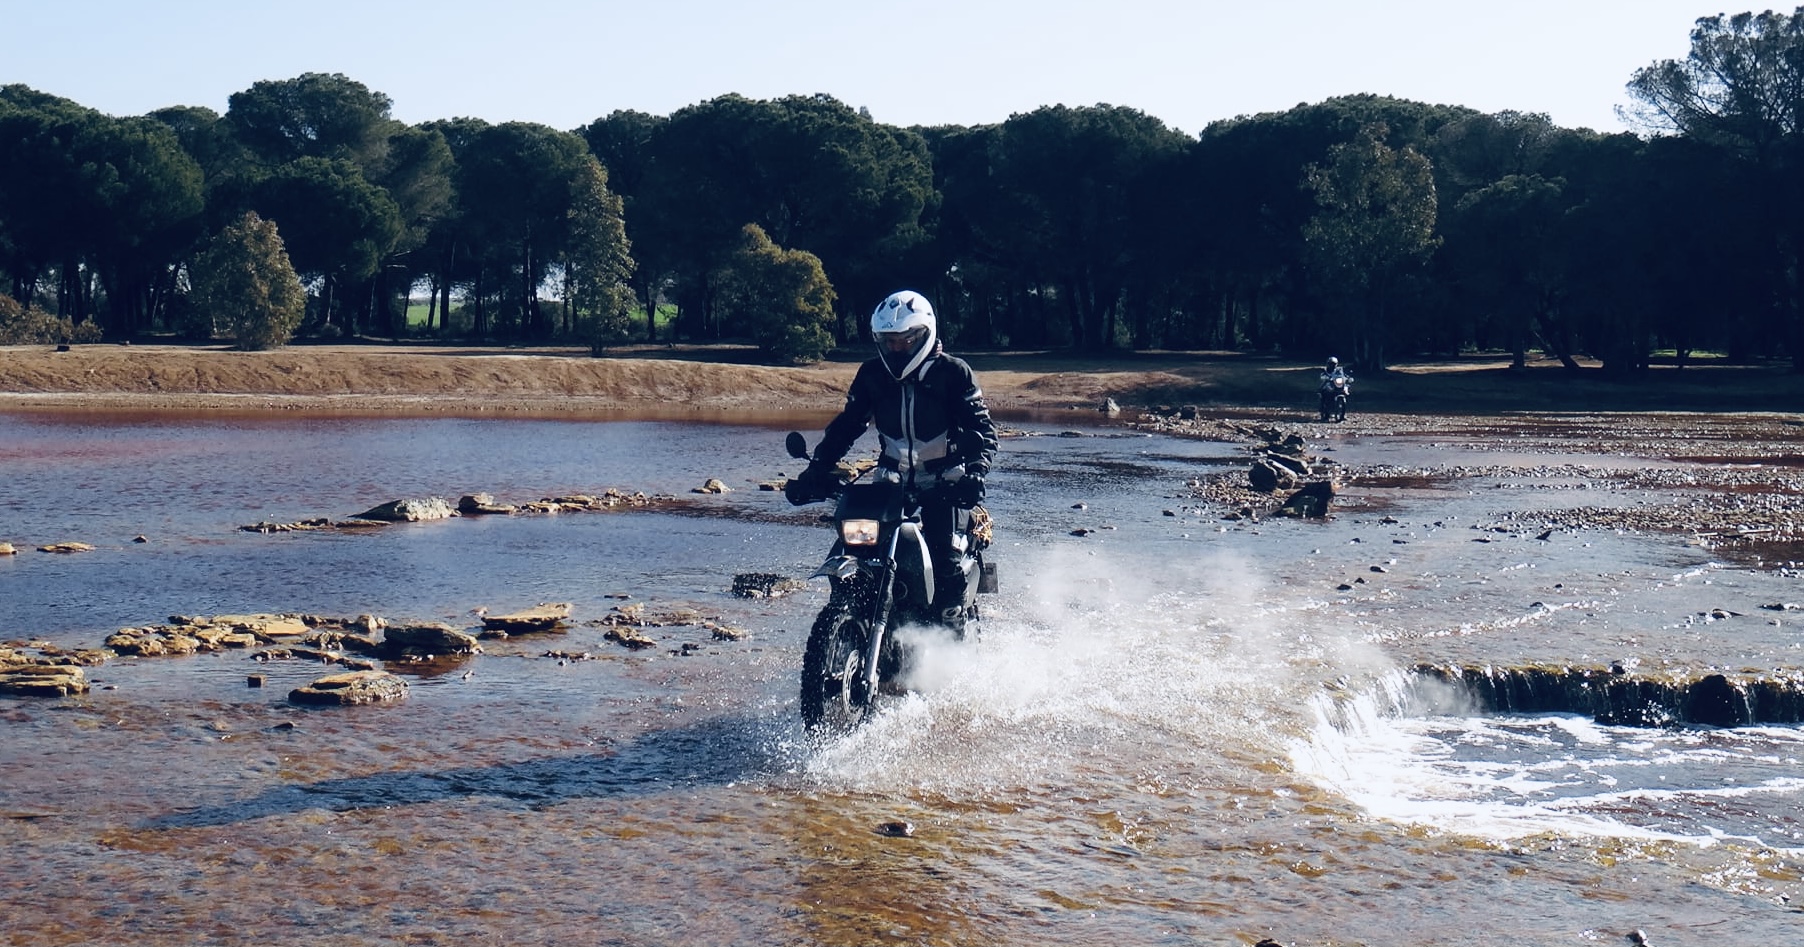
{"x":1173,"y":730}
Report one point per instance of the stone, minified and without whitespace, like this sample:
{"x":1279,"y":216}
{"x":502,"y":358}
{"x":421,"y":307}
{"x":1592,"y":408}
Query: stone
{"x":1311,"y":502}
{"x":297,"y":526}
{"x":66,"y":548}
{"x":154,"y":641}
{"x":1295,"y":465}
{"x":6,"y":549}
{"x":482,"y":504}
{"x":714,"y":485}
{"x":427,"y":638}
{"x":1267,"y":477}
{"x":765,"y":585}
{"x":351,"y":688}
{"x":409,"y":511}
{"x":897,"y":829}
{"x":43,"y":680}
{"x":542,"y":617}
{"x":630,"y":638}
{"x":724,"y":632}
{"x":263,"y":627}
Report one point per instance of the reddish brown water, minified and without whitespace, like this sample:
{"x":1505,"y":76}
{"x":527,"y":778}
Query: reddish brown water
{"x":1174,"y":729}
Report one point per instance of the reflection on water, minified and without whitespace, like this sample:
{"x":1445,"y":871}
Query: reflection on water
{"x":1173,"y":729}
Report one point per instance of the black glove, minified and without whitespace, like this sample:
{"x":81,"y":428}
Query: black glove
{"x":967,"y":491}
{"x":810,"y":486}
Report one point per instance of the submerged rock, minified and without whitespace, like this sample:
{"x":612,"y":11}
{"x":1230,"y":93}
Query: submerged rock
{"x":66,"y":548}
{"x":351,"y":688}
{"x":765,"y":585}
{"x":294,"y":527}
{"x":630,"y":637}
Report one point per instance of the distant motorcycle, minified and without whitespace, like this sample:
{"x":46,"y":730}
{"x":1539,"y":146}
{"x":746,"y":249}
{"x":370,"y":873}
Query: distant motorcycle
{"x":1333,"y":393}
{"x":882,"y":579}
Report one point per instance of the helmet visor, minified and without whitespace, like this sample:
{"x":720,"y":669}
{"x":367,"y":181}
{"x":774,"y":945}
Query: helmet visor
{"x":901,"y":342}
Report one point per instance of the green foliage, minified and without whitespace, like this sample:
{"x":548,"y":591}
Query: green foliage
{"x":118,"y":199}
{"x":1418,"y":226}
{"x":1375,"y":222}
{"x":598,"y":263}
{"x":781,"y":298}
{"x":315,"y":115}
{"x":243,"y":279}
{"x":30,"y":325}
{"x":1741,"y":91}
{"x":334,"y":222}
{"x":812,"y":172}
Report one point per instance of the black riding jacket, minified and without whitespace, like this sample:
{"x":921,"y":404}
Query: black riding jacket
{"x":934,"y":419}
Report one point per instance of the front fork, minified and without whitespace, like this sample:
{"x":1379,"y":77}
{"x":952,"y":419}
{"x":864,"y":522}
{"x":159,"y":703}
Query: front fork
{"x":868,"y":589}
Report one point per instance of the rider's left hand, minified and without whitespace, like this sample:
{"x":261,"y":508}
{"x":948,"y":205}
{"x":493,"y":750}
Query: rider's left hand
{"x":967,"y":491}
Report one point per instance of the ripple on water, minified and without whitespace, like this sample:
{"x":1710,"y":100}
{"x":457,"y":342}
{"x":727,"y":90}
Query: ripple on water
{"x":1115,"y":761}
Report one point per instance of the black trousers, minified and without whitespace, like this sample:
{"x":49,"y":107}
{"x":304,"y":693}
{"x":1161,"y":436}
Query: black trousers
{"x":940,"y":521}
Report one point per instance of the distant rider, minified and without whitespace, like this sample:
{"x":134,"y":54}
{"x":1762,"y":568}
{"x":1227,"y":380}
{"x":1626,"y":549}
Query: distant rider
{"x":1330,"y":372}
{"x":933,"y":426}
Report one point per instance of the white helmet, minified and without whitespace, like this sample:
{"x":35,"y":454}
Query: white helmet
{"x":905,"y":331}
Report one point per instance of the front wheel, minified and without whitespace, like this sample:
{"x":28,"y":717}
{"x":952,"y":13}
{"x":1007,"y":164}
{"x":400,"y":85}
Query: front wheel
{"x":835,"y":692}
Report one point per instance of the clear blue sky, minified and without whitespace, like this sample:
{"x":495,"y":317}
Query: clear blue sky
{"x":565,"y":63}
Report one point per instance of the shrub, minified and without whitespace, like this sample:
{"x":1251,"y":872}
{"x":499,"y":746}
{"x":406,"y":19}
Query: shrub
{"x":781,"y":297}
{"x":31,"y":325}
{"x":243,"y":280}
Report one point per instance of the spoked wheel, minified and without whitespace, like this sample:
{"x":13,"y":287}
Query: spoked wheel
{"x":835,"y":695}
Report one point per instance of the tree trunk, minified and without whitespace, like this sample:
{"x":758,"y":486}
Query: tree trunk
{"x":1554,"y":336}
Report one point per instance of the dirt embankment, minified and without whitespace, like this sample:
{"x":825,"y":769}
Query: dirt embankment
{"x":658,"y":379}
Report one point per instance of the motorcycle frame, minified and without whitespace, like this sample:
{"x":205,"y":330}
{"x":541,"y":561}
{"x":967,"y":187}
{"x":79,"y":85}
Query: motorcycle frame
{"x":868,"y":583}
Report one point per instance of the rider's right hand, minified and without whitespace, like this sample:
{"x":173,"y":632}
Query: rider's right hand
{"x":810,"y":486}
{"x":796,"y":491}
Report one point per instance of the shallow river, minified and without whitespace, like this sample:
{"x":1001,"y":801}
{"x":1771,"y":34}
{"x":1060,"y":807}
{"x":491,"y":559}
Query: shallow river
{"x":1173,"y":730}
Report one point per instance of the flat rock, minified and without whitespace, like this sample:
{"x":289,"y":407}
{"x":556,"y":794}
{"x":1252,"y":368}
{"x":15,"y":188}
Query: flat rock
{"x":153,"y":642}
{"x":482,"y":504}
{"x":351,"y":688}
{"x":428,"y":638}
{"x":409,"y":511}
{"x":265,"y":627}
{"x":631,"y":638}
{"x":546,"y":616}
{"x":66,"y":548}
{"x":43,"y":680}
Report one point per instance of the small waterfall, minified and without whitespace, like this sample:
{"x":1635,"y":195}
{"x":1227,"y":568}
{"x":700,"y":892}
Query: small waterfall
{"x":1617,"y":697}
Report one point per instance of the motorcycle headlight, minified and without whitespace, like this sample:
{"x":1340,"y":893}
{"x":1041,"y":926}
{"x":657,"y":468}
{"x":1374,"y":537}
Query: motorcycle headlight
{"x":858,"y":532}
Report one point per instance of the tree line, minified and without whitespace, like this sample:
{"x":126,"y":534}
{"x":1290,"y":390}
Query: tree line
{"x":1370,"y":227}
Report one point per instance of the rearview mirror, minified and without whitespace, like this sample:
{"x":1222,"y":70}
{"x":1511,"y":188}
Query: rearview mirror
{"x":797,"y":445}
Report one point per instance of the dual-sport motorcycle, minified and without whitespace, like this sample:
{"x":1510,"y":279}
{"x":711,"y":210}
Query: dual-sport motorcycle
{"x":1334,"y":391}
{"x":881,"y":577}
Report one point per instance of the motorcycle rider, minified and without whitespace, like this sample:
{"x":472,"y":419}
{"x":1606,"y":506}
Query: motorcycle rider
{"x":1330,"y":372}
{"x":933,"y":426}
{"x":1332,"y":369}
